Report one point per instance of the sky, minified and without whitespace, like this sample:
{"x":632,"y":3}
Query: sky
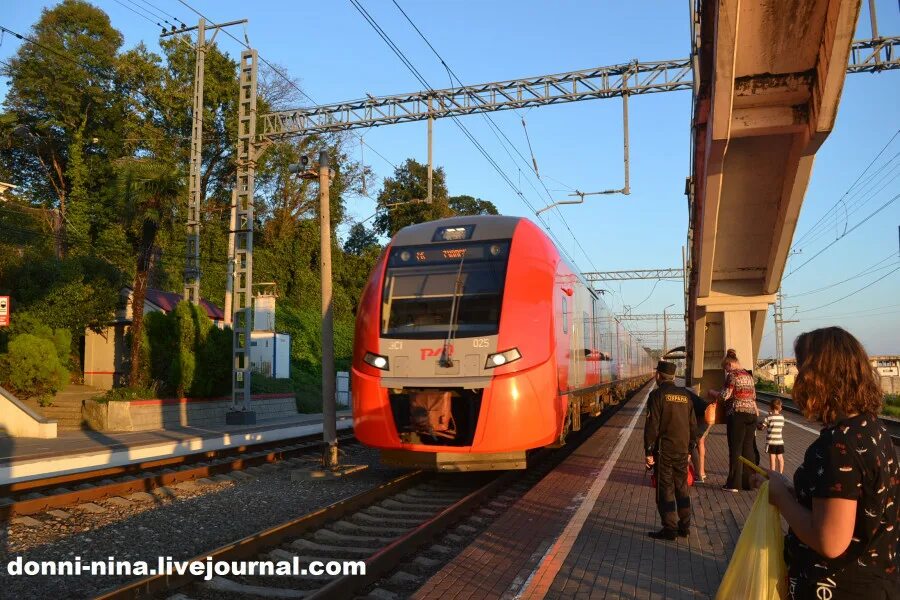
{"x":338,"y":56}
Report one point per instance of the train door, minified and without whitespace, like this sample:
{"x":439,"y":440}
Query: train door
{"x":577,"y":342}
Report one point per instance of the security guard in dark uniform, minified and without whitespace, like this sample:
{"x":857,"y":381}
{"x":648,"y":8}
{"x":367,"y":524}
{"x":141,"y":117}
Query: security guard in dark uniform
{"x":670,"y":434}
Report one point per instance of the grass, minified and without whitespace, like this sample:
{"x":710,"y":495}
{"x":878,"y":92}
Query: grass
{"x":891,"y":405}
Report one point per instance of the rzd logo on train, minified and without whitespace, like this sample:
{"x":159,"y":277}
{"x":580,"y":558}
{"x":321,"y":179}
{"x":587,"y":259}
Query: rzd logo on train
{"x":433,"y":352}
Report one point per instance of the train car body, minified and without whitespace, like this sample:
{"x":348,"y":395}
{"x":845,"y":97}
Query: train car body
{"x":476,"y":341}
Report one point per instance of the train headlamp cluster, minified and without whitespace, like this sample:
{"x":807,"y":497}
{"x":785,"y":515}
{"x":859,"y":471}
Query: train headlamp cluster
{"x":377,"y":361}
{"x":502,"y":358}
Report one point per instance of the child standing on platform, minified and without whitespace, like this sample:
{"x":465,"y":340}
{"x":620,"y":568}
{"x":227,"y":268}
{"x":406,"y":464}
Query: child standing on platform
{"x":774,"y":424}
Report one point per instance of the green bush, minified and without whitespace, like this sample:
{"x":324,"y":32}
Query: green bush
{"x":263,"y":384}
{"x":31,"y":367}
{"x":185,"y":354}
{"x":127,"y":393}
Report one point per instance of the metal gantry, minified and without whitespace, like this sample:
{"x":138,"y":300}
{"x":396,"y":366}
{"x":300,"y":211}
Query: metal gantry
{"x":648,"y":317}
{"x":673,"y":274}
{"x":632,"y":78}
{"x":602,"y":82}
{"x":242,"y":218}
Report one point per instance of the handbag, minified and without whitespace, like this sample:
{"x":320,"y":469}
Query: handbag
{"x":715,"y":413}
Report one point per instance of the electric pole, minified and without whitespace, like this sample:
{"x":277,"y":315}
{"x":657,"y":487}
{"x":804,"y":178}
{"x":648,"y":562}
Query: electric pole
{"x":666,"y":330}
{"x":329,"y":408}
{"x":324,"y":174}
{"x":241,"y":250}
{"x":192,"y":250}
{"x":779,"y":340}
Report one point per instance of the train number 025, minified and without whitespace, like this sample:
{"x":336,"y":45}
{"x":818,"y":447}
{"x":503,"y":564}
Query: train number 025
{"x":481,"y":343}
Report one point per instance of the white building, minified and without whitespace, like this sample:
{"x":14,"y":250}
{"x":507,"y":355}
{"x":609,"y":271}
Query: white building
{"x":270,"y":352}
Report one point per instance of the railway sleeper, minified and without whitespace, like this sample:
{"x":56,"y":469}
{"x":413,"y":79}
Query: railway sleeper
{"x":421,"y":495}
{"x":328,"y":536}
{"x":405,"y":508}
{"x":349,"y":527}
{"x":229,"y":586}
{"x":366,"y":518}
{"x":398,"y":513}
{"x":424,"y":501}
{"x":305,"y":545}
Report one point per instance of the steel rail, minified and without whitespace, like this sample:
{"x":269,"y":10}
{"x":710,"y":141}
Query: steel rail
{"x":39,"y":494}
{"x":385,"y":559}
{"x":256,"y":543}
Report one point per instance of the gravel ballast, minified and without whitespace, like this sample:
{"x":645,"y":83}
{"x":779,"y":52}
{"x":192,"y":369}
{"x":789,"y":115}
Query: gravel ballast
{"x":181,"y":521}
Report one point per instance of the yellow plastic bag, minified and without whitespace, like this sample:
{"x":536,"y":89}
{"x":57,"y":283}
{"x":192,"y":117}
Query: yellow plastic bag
{"x":757,"y":570}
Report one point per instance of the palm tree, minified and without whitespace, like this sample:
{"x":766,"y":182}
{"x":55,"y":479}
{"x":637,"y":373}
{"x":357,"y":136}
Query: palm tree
{"x":149,"y":189}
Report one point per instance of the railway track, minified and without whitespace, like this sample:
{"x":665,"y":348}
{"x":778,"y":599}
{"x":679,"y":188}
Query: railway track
{"x":383,"y":527}
{"x":39,"y":495}
{"x":892,"y":425}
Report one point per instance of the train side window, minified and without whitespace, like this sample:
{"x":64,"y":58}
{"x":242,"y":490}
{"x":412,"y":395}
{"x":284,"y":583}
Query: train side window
{"x":565,"y":315}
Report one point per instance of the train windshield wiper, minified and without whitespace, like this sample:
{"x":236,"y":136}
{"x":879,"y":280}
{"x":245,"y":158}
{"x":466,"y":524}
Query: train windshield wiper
{"x":446,"y":359}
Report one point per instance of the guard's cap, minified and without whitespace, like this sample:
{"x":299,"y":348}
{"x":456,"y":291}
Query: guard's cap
{"x":666,"y":367}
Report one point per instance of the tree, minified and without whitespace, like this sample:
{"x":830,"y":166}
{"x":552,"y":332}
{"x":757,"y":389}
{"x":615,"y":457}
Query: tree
{"x":360,"y":239}
{"x":467,"y":205}
{"x":149,"y":190}
{"x":61,"y":110}
{"x":402,"y":199}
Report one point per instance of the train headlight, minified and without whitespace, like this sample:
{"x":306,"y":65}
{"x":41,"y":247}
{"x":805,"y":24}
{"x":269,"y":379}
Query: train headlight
{"x":502,"y":358}
{"x":376,"y":360}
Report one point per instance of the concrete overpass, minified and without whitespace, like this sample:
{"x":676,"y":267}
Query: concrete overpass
{"x":768,"y":82}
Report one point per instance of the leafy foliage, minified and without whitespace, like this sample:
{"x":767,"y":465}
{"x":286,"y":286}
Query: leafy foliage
{"x":185,"y":354}
{"x":32,"y":366}
{"x":360,"y":239}
{"x":468,"y":205}
{"x":97,"y":137}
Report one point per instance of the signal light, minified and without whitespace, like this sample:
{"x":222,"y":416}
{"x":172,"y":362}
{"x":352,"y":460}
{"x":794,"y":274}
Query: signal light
{"x":502,"y":358}
{"x":376,"y":360}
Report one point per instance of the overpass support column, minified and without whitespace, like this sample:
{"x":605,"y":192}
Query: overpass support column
{"x":736,"y":330}
{"x":727,"y":321}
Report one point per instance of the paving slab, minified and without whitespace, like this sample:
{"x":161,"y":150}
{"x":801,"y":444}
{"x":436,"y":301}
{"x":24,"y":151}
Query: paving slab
{"x":581,"y":532}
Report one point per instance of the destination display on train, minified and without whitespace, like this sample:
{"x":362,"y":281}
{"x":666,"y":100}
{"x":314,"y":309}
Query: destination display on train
{"x":432,"y":254}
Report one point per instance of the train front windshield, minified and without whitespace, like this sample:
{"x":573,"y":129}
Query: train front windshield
{"x":432,"y":290}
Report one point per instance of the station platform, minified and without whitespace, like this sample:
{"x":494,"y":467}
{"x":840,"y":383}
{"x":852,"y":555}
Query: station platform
{"x":22,"y":459}
{"x":581,"y":532}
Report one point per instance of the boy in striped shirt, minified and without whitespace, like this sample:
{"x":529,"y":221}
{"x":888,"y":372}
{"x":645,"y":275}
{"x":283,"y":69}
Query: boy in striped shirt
{"x":774,"y":424}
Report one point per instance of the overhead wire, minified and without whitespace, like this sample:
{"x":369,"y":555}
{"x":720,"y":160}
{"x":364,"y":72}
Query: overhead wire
{"x":845,"y":234}
{"x":498,"y":132}
{"x":867,"y":271}
{"x":163,"y":12}
{"x":490,"y":121}
{"x":278,"y":72}
{"x":853,"y":293}
{"x":140,"y":14}
{"x":399,"y":53}
{"x":837,"y":203}
{"x":856,"y":201}
{"x":91,"y":69}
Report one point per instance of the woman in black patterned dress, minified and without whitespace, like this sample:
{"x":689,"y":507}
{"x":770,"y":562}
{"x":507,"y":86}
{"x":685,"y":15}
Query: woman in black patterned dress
{"x":843,"y":506}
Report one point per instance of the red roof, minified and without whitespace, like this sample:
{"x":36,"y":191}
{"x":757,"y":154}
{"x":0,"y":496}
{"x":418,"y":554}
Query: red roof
{"x":167,"y":301}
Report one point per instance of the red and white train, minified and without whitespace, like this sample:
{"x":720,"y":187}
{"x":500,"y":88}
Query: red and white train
{"x":476,"y":341}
